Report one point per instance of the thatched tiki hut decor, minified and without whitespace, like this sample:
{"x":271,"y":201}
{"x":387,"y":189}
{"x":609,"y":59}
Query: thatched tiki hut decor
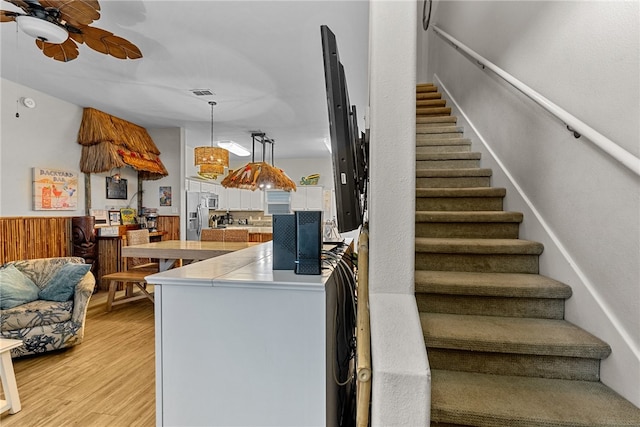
{"x":109,"y":142}
{"x":259,"y":175}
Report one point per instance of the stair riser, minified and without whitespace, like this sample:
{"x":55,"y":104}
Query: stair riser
{"x":540,"y":366}
{"x":436,"y":120}
{"x":542,"y":308}
{"x":447,"y":164}
{"x":459,"y":203}
{"x":477,"y":263}
{"x":453,"y":182}
{"x":481,"y":230}
{"x":453,"y":148}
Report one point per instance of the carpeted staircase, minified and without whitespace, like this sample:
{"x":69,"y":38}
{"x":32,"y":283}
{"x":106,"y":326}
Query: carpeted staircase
{"x":500,"y":351}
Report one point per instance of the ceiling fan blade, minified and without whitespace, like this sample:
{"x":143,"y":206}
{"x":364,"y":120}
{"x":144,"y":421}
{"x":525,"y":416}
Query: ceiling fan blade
{"x":6,"y":16}
{"x":106,"y":42}
{"x":63,"y":52}
{"x":21,"y":4}
{"x":75,"y":12}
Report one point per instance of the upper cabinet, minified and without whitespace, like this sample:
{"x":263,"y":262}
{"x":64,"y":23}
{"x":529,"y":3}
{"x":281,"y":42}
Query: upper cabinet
{"x":307,"y":198}
{"x":235,"y":199}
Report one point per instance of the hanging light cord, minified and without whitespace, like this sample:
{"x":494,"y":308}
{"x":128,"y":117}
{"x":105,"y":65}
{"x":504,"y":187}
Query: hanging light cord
{"x":212,"y":103}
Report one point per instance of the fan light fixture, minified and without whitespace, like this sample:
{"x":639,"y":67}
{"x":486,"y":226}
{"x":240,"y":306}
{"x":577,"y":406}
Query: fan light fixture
{"x":211,"y":160}
{"x":234,"y":147}
{"x":42,"y":29}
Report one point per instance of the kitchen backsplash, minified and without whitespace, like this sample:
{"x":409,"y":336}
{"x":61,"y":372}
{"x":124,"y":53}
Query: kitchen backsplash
{"x":255,"y":218}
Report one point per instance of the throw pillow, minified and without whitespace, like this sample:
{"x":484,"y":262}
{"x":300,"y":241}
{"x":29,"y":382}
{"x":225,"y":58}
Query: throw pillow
{"x":63,"y":284}
{"x":16,"y":288}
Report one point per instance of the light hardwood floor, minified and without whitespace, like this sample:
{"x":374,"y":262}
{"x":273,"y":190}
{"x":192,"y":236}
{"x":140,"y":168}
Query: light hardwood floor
{"x":108,"y":380}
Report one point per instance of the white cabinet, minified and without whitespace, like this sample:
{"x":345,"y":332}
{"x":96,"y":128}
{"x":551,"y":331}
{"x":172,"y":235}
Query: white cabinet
{"x":307,"y":198}
{"x":207,"y":187}
{"x":192,"y":185}
{"x":235,"y":199}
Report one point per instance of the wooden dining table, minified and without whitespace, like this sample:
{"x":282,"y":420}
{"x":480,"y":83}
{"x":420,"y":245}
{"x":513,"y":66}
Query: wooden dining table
{"x":167,"y":252}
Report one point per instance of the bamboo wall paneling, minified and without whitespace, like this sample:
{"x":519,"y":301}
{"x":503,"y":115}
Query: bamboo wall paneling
{"x":34,"y":237}
{"x":170,"y":224}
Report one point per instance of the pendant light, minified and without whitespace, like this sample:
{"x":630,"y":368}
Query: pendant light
{"x":259,"y":175}
{"x":211,"y":160}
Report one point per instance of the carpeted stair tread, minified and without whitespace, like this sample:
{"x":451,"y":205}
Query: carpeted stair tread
{"x":426,"y":87}
{"x":453,"y":173}
{"x":433,"y":111}
{"x":478,"y":246}
{"x":479,"y":192}
{"x":445,"y":128}
{"x":435,"y":120}
{"x":428,"y":95}
{"x":468,"y":216}
{"x":516,"y":285}
{"x":460,"y":155}
{"x":509,"y":401}
{"x":429,"y":103}
{"x":499,"y":334}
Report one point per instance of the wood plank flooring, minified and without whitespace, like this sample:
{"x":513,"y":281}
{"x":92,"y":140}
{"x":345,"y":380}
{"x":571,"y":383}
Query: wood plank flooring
{"x":108,"y":380}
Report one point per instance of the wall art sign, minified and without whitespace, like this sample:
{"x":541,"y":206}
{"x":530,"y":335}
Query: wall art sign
{"x":165,"y":196}
{"x":54,"y":190}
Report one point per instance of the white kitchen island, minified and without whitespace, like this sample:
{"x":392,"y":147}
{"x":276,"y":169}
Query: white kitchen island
{"x":238,"y":344}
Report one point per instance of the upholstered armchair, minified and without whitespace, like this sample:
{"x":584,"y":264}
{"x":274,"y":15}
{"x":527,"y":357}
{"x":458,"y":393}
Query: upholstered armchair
{"x":55,"y":318}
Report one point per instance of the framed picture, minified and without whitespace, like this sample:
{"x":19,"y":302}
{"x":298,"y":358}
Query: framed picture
{"x":116,"y":189}
{"x":114,"y":218}
{"x":54,"y":190}
{"x":165,"y":196}
{"x":128,"y":216}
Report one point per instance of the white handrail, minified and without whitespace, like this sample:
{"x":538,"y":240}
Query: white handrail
{"x":574,"y":125}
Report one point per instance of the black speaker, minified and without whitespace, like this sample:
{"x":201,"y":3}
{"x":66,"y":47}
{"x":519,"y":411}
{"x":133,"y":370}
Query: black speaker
{"x":308,"y":242}
{"x":284,"y":242}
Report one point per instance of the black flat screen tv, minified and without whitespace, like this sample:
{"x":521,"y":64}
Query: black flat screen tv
{"x":348,"y":149}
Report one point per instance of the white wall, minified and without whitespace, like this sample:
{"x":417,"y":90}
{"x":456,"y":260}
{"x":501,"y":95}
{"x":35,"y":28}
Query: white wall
{"x":46,"y":136}
{"x":583,"y":205}
{"x":401,"y":377}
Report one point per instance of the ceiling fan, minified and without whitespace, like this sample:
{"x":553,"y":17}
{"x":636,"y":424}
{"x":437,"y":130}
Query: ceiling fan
{"x":60,"y":25}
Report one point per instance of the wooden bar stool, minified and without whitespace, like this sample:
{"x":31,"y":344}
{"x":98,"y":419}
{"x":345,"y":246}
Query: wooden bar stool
{"x":128,"y":279}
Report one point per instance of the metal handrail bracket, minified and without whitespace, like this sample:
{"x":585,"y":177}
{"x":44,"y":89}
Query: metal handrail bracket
{"x":574,"y":125}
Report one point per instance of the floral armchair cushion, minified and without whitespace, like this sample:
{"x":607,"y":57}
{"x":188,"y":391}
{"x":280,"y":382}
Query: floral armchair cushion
{"x":47,"y":325}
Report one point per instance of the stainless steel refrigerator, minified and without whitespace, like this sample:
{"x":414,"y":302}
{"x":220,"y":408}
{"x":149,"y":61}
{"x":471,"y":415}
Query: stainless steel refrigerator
{"x":198,"y":205}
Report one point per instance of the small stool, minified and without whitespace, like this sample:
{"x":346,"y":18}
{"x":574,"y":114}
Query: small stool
{"x":9,"y":386}
{"x":128,"y":279}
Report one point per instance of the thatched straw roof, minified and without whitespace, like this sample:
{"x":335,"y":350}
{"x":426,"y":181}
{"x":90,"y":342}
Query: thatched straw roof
{"x":258,"y":175}
{"x":110,"y":142}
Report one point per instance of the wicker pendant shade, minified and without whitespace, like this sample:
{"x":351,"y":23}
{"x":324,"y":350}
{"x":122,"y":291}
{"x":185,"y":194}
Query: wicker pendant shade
{"x":211,"y":160}
{"x":211,"y":171}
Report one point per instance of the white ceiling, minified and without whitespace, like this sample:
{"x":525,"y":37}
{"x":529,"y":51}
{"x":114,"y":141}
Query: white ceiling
{"x":262,"y":60}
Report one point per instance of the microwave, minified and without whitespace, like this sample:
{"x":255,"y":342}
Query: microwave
{"x":210,"y":201}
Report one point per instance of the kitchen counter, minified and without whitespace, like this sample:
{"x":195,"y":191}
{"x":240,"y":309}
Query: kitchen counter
{"x":232,"y":333}
{"x":252,"y":229}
